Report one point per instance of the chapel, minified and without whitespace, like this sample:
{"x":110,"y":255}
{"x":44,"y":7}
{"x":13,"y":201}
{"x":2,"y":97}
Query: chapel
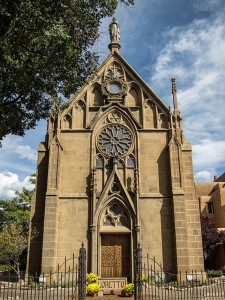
{"x":116,"y":171}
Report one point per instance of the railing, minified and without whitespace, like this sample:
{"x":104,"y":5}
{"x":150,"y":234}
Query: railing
{"x":152,"y":282}
{"x":67,"y":282}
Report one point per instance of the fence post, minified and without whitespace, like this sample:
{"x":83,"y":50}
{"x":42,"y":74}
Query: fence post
{"x":138,"y":273}
{"x":82,"y":274}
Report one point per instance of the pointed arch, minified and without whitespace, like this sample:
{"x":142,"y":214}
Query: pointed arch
{"x":79,"y":114}
{"x":163,"y":121}
{"x":133,"y":98}
{"x":108,"y":191}
{"x":150,"y":114}
{"x":96,"y":96}
{"x":114,"y":115}
{"x":67,"y":121}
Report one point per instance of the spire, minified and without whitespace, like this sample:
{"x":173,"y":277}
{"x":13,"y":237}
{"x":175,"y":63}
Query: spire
{"x":114,"y":31}
{"x":174,"y":92}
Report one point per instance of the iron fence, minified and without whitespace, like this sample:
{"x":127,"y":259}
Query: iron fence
{"x":67,"y":282}
{"x":152,"y":282}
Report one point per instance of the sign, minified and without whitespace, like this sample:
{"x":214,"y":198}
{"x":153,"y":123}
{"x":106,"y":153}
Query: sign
{"x":112,"y":283}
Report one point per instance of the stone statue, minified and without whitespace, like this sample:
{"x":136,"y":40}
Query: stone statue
{"x":114,"y":31}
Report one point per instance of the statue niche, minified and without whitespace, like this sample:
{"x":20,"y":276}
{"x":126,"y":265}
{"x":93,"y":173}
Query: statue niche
{"x":79,"y":114}
{"x":67,"y":122}
{"x":150,"y":115}
{"x":96,"y":97}
{"x":132,"y":98}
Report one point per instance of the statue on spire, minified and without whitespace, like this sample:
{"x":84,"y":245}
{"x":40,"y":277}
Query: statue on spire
{"x":114,"y":31}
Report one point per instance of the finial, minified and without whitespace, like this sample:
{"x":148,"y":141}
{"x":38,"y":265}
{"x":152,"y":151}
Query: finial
{"x":174,"y":88}
{"x":114,"y":31}
{"x":174,"y":92}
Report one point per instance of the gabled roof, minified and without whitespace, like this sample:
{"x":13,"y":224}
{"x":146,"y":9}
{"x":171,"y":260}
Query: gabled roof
{"x":129,"y":69}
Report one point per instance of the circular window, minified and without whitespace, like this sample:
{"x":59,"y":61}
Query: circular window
{"x":114,"y":140}
{"x":114,"y":87}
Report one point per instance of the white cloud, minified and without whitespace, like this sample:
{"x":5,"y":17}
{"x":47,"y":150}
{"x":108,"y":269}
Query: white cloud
{"x":9,"y":183}
{"x":195,"y":55}
{"x":208,"y":155}
{"x":204,"y":176}
{"x":12,"y":144}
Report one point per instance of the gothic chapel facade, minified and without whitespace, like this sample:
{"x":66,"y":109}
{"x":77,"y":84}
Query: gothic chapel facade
{"x":115,"y":171}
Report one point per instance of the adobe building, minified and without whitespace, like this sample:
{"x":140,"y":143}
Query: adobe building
{"x":211,"y":197}
{"x":115,"y":170}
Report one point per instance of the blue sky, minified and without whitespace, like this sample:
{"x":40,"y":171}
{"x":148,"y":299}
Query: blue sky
{"x":160,"y":39}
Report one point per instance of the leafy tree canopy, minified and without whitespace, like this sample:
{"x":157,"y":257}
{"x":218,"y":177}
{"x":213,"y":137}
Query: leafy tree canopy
{"x":17,"y":210}
{"x":45,"y":49}
{"x":13,"y":241}
{"x":211,"y":237}
{"x":14,"y":227}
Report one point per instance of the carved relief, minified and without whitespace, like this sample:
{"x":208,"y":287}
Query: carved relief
{"x":114,"y":89}
{"x":114,"y":86}
{"x":114,"y":71}
{"x":115,"y":117}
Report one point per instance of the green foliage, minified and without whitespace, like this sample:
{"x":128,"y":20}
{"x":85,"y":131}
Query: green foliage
{"x":45,"y":50}
{"x":14,"y":226}
{"x":129,"y":289}
{"x":17,"y":210}
{"x":93,"y":288}
{"x":5,"y":267}
{"x":13,"y":241}
{"x":91,"y":277}
{"x":214,"y":273}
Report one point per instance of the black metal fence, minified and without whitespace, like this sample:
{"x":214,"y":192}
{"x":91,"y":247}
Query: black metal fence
{"x":152,"y":282}
{"x":67,"y":282}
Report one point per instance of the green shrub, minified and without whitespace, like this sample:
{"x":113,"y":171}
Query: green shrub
{"x":214,"y":273}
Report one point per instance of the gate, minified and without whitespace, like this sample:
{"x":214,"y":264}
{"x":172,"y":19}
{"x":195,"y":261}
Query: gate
{"x":67,"y":282}
{"x":152,"y":282}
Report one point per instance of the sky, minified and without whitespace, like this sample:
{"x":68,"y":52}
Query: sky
{"x":160,"y":39}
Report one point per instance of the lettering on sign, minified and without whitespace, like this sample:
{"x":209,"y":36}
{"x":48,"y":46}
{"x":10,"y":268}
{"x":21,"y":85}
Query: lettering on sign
{"x":112,"y":283}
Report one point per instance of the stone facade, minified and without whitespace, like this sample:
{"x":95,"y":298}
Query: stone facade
{"x":115,"y":171}
{"x":211,"y":197}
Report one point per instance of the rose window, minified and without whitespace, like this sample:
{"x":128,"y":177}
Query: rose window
{"x":114,"y":140}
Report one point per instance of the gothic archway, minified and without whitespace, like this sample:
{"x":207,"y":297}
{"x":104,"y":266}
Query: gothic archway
{"x":115,"y":241}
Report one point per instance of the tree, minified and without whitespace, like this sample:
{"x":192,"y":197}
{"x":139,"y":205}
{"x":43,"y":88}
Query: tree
{"x":14,"y":228}
{"x":211,"y":237}
{"x":17,"y":210}
{"x":13,"y":241}
{"x":45,"y":50}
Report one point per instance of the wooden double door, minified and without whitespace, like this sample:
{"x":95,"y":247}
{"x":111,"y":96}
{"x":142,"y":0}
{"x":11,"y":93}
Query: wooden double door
{"x":115,"y":255}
